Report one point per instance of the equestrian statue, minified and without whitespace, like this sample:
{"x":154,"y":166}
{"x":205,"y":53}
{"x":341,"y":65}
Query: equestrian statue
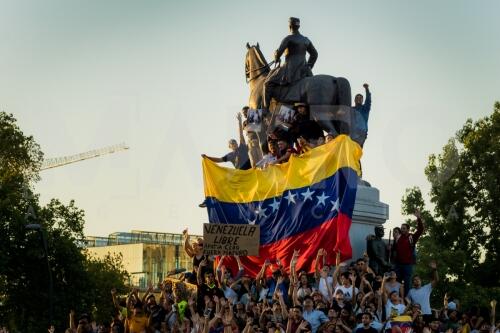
{"x":293,"y":82}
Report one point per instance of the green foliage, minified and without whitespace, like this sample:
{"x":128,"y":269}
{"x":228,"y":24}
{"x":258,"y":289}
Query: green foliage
{"x":79,"y":283}
{"x":463,"y":230}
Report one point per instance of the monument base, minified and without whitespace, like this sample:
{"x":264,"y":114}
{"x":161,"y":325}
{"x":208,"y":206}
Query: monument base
{"x":369,"y":212}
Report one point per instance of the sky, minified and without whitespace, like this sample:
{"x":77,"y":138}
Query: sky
{"x":167,"y":78}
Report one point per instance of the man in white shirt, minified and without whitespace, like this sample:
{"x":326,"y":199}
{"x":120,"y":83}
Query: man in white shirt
{"x":347,"y":286}
{"x":421,"y":294}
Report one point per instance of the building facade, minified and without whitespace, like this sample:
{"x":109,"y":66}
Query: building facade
{"x":147,"y":256}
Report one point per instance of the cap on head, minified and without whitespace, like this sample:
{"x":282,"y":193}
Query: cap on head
{"x":294,"y":21}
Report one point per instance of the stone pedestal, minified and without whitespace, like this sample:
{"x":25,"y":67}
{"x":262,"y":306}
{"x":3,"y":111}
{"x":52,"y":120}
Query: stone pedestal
{"x":368,"y":213}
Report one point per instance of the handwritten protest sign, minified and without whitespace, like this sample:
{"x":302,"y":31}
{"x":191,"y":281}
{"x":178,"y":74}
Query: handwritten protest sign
{"x":231,"y":239}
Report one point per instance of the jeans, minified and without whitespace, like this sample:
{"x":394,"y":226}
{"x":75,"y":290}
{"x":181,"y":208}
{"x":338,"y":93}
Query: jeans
{"x":405,"y":273}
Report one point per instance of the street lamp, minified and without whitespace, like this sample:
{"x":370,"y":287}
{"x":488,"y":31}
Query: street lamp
{"x":39,"y":229}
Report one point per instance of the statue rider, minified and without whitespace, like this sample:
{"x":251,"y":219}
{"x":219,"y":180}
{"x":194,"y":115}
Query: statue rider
{"x":377,"y":252}
{"x":295,"y":67}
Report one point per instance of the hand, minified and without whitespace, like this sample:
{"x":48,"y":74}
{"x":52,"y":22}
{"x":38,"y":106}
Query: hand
{"x":278,"y":262}
{"x":303,"y":325}
{"x":320,"y":252}
{"x":281,"y":279}
{"x":216,"y":299}
{"x":113,"y":291}
{"x":337,"y":259}
{"x":267,"y":263}
{"x":417,"y":213}
{"x":433,"y":265}
{"x":365,"y":85}
{"x":493,"y":304}
{"x":203,"y":263}
{"x":52,"y":329}
{"x":222,"y":302}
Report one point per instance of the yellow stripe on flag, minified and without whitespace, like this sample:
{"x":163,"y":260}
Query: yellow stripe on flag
{"x":240,"y":186}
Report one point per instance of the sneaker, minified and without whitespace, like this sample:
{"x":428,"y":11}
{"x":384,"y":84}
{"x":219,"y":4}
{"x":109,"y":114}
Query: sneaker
{"x":203,"y":204}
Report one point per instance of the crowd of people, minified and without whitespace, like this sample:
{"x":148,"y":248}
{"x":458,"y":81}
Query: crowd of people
{"x":338,"y":297}
{"x":273,"y":138}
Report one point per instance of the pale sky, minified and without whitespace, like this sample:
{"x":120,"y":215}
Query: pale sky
{"x":167,"y":78}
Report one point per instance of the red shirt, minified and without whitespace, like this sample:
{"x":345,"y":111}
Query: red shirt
{"x":405,"y":246}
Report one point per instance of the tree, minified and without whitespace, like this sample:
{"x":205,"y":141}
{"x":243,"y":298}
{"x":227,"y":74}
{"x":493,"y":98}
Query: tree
{"x":463,"y":231}
{"x":79,"y":283}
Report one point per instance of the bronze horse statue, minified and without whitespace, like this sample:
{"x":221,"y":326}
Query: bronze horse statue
{"x":316,"y":91}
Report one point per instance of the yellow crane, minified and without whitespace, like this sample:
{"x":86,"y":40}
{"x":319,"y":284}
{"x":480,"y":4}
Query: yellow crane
{"x":60,"y":161}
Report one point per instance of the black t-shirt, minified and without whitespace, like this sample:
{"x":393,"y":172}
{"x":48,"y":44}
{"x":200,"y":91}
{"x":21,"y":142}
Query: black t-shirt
{"x":196,"y":263}
{"x":157,"y":313}
{"x":336,"y":306}
{"x":363,"y":330}
{"x":203,"y":290}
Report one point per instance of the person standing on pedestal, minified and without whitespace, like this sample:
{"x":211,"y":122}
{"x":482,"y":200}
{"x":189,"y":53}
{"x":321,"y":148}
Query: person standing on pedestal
{"x":405,"y":251}
{"x":359,"y":119}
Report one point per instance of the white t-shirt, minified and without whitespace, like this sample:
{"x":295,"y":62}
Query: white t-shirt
{"x":266,"y":160}
{"x":323,"y":288}
{"x":422,"y":296}
{"x":347,"y":292}
{"x":393,"y":310}
{"x":395,"y":287}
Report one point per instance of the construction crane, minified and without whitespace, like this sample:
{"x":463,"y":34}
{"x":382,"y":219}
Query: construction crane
{"x":60,"y":161}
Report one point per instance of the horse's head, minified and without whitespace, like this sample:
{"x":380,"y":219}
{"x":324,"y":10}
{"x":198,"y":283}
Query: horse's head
{"x":255,"y":63}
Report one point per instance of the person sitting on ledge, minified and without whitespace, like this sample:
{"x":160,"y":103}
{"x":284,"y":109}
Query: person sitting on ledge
{"x":271,"y":157}
{"x":285,"y":151}
{"x":239,"y":152}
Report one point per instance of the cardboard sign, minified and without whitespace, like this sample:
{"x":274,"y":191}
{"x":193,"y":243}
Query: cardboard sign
{"x":231,"y":239}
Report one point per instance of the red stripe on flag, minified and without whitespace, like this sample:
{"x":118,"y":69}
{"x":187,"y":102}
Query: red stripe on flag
{"x":332,"y":235}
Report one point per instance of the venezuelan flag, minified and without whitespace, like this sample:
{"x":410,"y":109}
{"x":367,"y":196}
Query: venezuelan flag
{"x":304,"y":204}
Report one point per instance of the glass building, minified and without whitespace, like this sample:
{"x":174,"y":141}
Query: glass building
{"x":147,"y":256}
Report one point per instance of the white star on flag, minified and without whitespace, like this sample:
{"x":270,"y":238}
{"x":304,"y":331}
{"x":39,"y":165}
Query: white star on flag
{"x":261,"y":213}
{"x":322,"y":198}
{"x":335,"y":205}
{"x":291,"y":197}
{"x":308,"y":194}
{"x":275,"y":205}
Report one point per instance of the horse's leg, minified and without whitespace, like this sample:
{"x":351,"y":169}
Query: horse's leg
{"x":320,"y":95}
{"x":343,"y":92}
{"x":343,"y":101}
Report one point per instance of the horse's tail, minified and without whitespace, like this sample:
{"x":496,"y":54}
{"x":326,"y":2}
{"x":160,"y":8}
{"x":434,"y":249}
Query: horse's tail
{"x":343,"y":92}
